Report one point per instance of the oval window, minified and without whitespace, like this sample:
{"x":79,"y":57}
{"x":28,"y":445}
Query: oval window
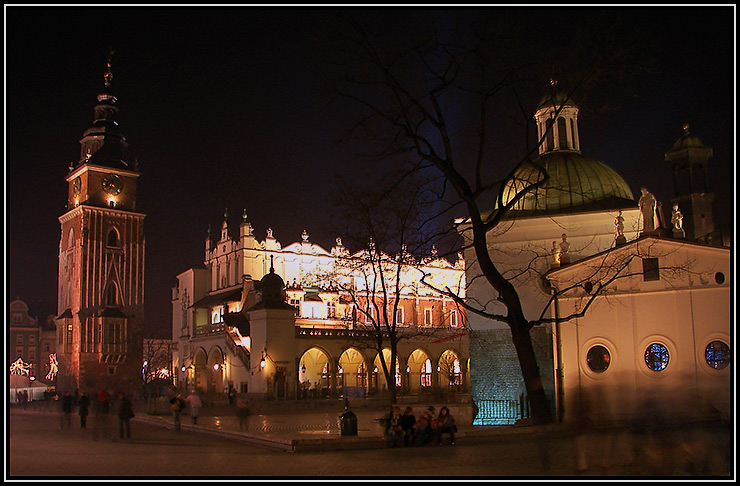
{"x":656,"y":357}
{"x":717,"y":355}
{"x":598,"y":359}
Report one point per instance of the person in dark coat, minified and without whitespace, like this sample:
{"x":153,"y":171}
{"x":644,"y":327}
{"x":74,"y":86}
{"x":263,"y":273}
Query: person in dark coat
{"x":125,"y":413}
{"x":408,"y":424}
{"x":83,"y":409}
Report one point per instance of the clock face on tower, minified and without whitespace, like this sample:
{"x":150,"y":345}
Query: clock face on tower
{"x":76,"y":186}
{"x":112,"y":185}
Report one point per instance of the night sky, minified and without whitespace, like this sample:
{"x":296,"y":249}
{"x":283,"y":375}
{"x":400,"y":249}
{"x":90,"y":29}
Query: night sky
{"x":233,"y":109}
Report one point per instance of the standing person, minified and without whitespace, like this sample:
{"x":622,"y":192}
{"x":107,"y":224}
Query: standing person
{"x":178,"y":404}
{"x":445,"y":425}
{"x":195,"y":403}
{"x":83,"y":409}
{"x":125,"y":414}
{"x":426,"y":427}
{"x":67,"y":410}
{"x":408,"y":424}
{"x":242,"y":411}
{"x":232,"y":395}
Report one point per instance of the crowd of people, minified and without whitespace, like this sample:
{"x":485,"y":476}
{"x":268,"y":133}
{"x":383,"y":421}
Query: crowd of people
{"x":100,"y":405}
{"x":404,"y":429}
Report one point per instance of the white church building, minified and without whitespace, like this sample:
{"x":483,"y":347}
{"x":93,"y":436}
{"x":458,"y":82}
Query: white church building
{"x":658,"y":332}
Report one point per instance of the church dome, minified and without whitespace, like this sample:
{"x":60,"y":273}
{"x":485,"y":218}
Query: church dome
{"x":577,"y":183}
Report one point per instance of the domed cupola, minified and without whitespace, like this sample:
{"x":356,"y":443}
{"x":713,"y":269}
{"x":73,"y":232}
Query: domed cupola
{"x":557,"y":122}
{"x":576,"y":183}
{"x":103,"y":143}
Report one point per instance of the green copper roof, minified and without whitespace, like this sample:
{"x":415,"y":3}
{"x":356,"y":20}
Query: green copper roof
{"x":576,"y":183}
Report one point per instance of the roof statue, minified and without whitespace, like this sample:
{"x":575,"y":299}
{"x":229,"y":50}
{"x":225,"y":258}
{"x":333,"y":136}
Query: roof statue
{"x":647,"y":204}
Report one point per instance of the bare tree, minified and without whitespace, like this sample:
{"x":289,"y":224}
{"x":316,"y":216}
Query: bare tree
{"x":389,"y":223}
{"x":427,"y":103}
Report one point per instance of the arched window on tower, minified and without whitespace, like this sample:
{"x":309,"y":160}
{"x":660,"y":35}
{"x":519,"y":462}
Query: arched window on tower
{"x":111,"y":295}
{"x":113,"y":238}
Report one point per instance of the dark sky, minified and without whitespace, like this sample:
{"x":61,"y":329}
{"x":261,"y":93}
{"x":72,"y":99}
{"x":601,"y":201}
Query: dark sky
{"x":229,"y":109}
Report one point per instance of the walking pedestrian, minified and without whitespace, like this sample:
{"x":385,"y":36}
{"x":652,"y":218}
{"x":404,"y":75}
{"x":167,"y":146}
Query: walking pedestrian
{"x":83,"y":409}
{"x":101,"y":408}
{"x":125,"y":414}
{"x":242,"y":411}
{"x":408,"y":424}
{"x":67,"y":410}
{"x":178,"y":404}
{"x":195,"y":403}
{"x":232,"y":395}
{"x":445,"y":425}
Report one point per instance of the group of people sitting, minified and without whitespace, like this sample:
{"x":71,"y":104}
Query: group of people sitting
{"x":407,"y":430}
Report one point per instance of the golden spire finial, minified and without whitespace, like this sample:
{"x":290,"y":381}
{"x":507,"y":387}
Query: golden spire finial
{"x":685,"y":128}
{"x":553,"y":82}
{"x":108,"y":76}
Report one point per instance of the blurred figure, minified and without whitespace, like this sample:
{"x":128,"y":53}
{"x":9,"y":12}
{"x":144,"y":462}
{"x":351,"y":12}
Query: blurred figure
{"x":427,"y":425}
{"x":195,"y":403}
{"x":395,"y":431}
{"x":125,"y":414}
{"x":445,"y":425}
{"x":242,"y":411}
{"x":408,"y":424}
{"x":177,"y":406}
{"x":67,"y":410}
{"x":83,"y":409}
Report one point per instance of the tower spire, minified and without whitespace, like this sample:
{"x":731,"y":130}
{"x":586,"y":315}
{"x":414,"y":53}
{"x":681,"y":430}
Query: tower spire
{"x":108,"y":76}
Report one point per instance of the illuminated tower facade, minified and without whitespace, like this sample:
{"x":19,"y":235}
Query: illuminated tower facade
{"x":101,"y":262}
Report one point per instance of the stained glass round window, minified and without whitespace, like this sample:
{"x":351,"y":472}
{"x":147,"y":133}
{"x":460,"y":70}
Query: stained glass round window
{"x":656,"y":357}
{"x":598,"y":359}
{"x":717,"y":355}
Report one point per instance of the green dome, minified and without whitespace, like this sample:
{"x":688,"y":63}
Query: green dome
{"x":577,"y":183}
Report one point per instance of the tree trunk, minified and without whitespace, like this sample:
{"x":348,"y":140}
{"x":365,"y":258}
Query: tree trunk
{"x":540,"y":406}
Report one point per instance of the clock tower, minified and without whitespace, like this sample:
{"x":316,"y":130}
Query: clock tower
{"x":101,"y":262}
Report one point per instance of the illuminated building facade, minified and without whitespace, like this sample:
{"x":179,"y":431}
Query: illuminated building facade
{"x":659,"y":332}
{"x":101,"y":262}
{"x":238,"y":324}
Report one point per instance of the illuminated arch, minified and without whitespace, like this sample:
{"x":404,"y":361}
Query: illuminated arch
{"x":315,"y":369}
{"x":378,"y":376}
{"x":420,"y":369}
{"x":352,"y":368}
{"x":449,"y":369}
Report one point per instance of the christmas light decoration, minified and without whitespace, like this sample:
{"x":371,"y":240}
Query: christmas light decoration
{"x":20,"y":368}
{"x":53,"y":367}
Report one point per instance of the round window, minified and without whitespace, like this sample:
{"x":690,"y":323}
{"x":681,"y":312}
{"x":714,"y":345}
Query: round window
{"x":717,"y":355}
{"x":656,"y":357}
{"x":719,"y":277}
{"x":598,"y":359}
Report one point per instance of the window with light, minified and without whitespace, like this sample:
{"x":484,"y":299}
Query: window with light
{"x":717,"y":355}
{"x":657,"y":357}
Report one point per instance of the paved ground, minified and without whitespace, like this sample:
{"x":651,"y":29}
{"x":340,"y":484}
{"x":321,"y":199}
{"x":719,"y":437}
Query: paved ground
{"x":38,"y":446}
